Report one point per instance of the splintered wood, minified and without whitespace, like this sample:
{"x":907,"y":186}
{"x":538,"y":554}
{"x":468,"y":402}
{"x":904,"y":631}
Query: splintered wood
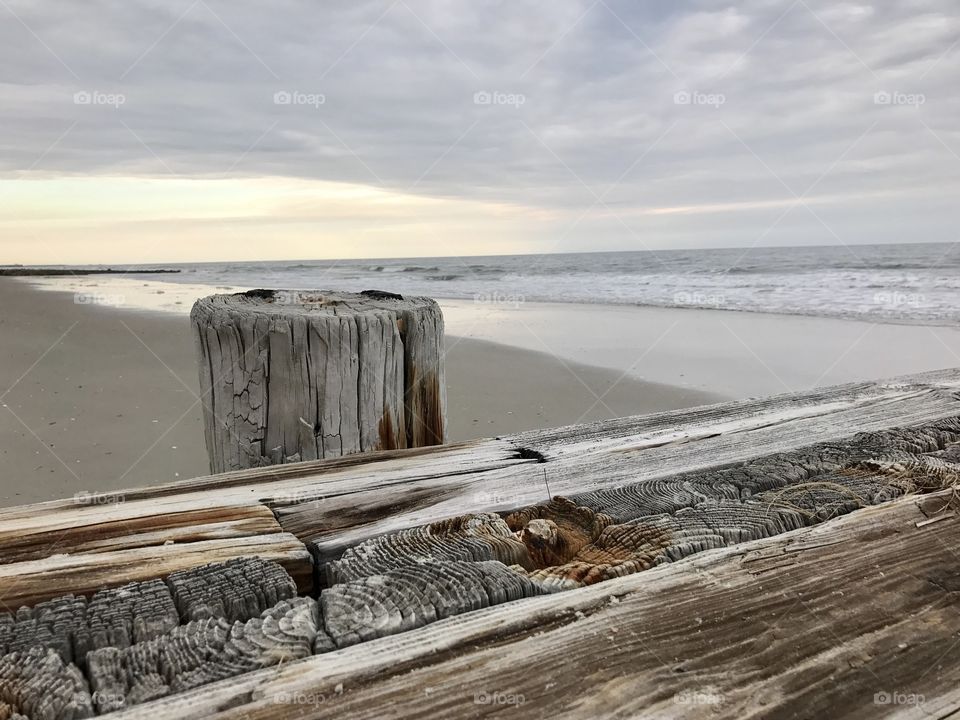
{"x":294,"y":375}
{"x":67,"y":657}
{"x":808,"y":515}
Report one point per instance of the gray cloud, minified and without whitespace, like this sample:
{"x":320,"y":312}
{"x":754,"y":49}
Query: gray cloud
{"x":645,"y":105}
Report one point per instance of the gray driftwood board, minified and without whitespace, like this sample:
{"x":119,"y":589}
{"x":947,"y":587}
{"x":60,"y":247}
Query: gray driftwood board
{"x":829,"y":621}
{"x":820,"y":617}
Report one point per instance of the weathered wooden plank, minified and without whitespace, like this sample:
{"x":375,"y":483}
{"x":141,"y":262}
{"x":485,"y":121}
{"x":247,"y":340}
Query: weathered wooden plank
{"x":821,"y":621}
{"x":272,"y":484}
{"x":456,"y":566}
{"x":128,"y":642}
{"x":34,"y":532}
{"x":364,"y":496}
{"x":596,"y":536}
{"x":725,"y":435}
{"x":342,"y":501}
{"x":33,"y":581}
{"x":92,"y":527}
{"x":682,"y":426}
{"x":656,"y":489}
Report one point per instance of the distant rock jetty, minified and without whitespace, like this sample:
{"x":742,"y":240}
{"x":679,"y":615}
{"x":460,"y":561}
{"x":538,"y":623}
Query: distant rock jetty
{"x":17,"y":271}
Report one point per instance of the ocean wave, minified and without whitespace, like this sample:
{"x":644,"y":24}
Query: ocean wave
{"x":909,"y":283}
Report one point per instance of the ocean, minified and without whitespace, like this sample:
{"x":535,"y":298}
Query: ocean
{"x":908,"y":283}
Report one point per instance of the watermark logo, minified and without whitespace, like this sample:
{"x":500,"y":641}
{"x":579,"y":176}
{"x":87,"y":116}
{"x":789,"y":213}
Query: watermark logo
{"x":299,"y":297}
{"x":298,"y":497}
{"x":299,"y":698}
{"x":488,"y":498}
{"x":885,"y":97}
{"x":895,"y":299}
{"x":286,"y":297}
{"x":98,"y":299}
{"x":700,"y":696}
{"x":896,"y":697}
{"x":100,"y":697}
{"x":295,"y":97}
{"x":685,"y":97}
{"x":499,"y":298}
{"x":498,"y":698}
{"x":485,"y":97}
{"x":698,"y":299}
{"x":95,"y":97}
{"x":88,"y":498}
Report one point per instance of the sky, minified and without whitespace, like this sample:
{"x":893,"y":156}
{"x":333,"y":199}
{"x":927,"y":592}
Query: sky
{"x":190,"y":130}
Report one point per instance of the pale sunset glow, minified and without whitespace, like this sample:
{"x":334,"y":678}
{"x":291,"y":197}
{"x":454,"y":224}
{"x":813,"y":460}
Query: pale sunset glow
{"x":202,"y":131}
{"x":72,"y":220}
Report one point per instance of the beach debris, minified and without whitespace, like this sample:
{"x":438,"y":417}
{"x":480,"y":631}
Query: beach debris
{"x":938,"y":518}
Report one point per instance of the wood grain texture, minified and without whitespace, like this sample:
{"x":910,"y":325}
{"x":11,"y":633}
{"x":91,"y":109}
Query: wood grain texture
{"x":128,"y":646}
{"x":612,"y":453}
{"x":821,"y":621}
{"x":90,"y":527}
{"x":295,"y":375}
{"x":201,"y":652}
{"x":340,"y":502}
{"x":647,"y":491}
{"x":596,"y":536}
{"x":33,"y":581}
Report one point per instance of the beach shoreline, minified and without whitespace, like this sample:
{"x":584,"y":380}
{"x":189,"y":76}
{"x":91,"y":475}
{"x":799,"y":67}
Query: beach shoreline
{"x":101,"y":393}
{"x":99,"y":398}
{"x":733,"y":354}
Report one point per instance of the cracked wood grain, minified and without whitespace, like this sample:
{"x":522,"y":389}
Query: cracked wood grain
{"x":293,"y":375}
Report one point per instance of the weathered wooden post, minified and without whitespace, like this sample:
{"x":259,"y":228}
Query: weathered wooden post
{"x":295,"y":375}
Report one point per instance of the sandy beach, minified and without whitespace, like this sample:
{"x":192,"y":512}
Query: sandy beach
{"x":98,"y":398}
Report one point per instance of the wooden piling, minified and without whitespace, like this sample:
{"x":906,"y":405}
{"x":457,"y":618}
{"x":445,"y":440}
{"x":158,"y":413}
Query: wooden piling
{"x":294,"y":375}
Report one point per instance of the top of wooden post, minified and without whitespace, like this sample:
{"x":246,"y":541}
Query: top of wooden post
{"x":313,"y":302}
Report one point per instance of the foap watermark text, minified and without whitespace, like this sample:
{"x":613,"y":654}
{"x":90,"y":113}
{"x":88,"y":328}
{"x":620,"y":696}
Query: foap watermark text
{"x":698,"y":299}
{"x":686,"y":97}
{"x":897,"y":697}
{"x":885,"y":97}
{"x":499,"y":298}
{"x":95,"y":97}
{"x":699,"y":696}
{"x":92,"y":498}
{"x":83,"y":298}
{"x":498,"y":698}
{"x":495,"y":97}
{"x":295,"y":97}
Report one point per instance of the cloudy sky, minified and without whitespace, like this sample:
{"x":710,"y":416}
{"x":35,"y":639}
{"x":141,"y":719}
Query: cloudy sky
{"x":205,"y":129}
